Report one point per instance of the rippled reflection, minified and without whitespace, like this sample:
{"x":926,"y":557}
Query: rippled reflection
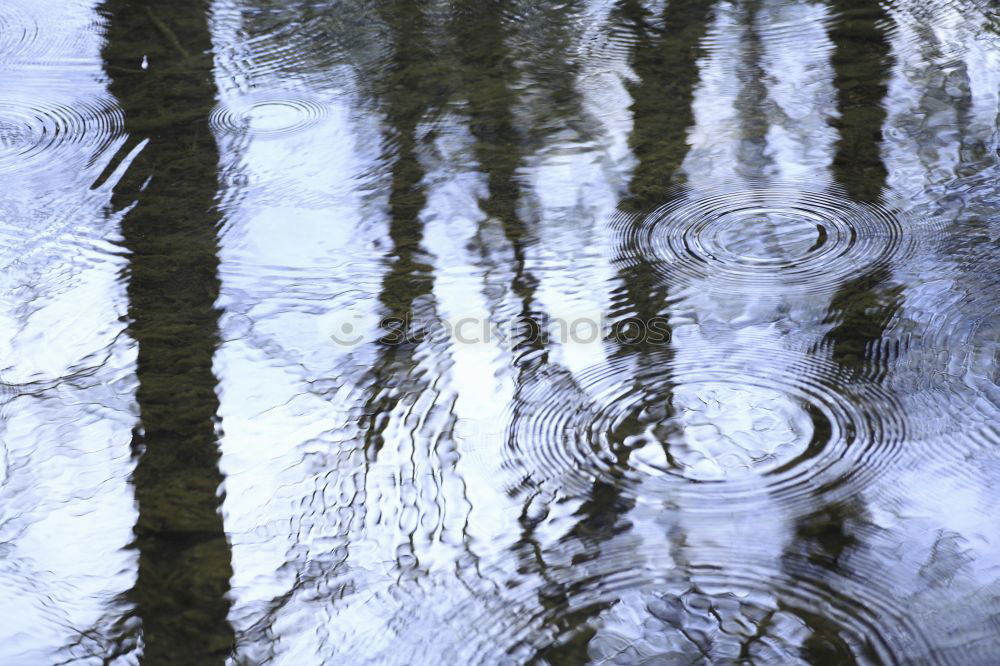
{"x":482,"y":331}
{"x":768,"y":241}
{"x":179,"y":598}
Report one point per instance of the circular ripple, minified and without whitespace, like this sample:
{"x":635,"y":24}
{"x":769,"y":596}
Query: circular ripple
{"x":18,"y":30}
{"x":763,"y":240}
{"x":37,"y":134}
{"x":634,"y":605}
{"x":737,"y":618}
{"x":948,"y":369}
{"x":268,"y":118}
{"x":745,"y":612}
{"x":31,"y":33}
{"x":708,"y":431}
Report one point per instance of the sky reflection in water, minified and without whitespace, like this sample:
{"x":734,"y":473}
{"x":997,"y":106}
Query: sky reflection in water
{"x":275,"y":276}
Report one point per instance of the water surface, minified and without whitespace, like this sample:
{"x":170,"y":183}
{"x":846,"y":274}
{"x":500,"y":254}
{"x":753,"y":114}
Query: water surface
{"x":469,"y":331}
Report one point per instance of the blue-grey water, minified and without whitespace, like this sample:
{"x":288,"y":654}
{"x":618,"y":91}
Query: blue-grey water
{"x":500,"y":332}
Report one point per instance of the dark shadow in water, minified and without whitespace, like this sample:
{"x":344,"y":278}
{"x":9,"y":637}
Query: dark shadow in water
{"x":821,"y":539}
{"x":410,"y":91}
{"x":485,"y":83}
{"x":180,"y":593}
{"x":665,"y":61}
{"x":861,"y":308}
{"x":547,"y":63}
{"x":407,"y":88}
{"x":861,"y":67}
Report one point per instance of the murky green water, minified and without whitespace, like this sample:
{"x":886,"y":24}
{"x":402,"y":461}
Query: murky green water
{"x":500,"y":332}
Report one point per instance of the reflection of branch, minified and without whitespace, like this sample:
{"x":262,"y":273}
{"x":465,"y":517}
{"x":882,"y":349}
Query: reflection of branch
{"x":167,"y":32}
{"x":752,"y":98}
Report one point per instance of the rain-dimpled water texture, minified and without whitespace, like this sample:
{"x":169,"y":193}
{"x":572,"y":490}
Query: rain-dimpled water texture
{"x":499,"y":332}
{"x":710,"y":432}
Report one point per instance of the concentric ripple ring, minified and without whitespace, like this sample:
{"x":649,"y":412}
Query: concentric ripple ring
{"x":706,"y":432}
{"x":268,"y":118}
{"x":43,"y":133}
{"x":948,"y":370}
{"x":18,"y":30}
{"x":762,"y":240}
{"x":665,"y":613}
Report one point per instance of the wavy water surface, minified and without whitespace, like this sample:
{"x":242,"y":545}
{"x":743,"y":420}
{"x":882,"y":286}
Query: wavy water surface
{"x":499,"y":332}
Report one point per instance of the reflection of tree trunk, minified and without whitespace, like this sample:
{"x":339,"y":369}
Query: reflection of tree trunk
{"x":184,"y":559}
{"x":752,"y":100}
{"x":486,"y":83}
{"x":599,"y":521}
{"x":406,"y":97}
{"x":862,"y":308}
{"x":665,"y":62}
{"x":861,"y":311}
{"x":861,"y":64}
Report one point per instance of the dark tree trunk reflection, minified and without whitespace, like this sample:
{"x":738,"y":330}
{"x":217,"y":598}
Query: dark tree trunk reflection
{"x":158,"y":59}
{"x":406,"y":94}
{"x":665,"y":60}
{"x":861,"y":67}
{"x":485,"y":81}
{"x":862,"y":308}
